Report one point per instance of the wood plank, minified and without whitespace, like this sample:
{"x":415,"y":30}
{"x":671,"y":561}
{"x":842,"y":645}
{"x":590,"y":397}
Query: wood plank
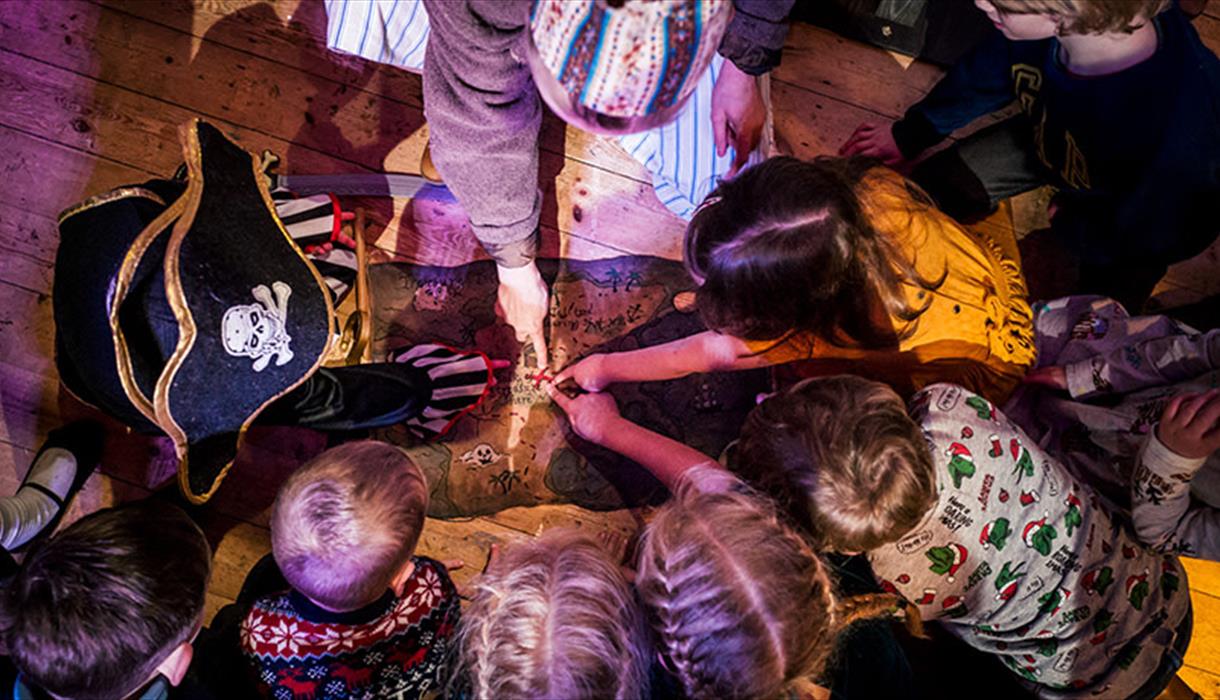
{"x":1204,"y":651}
{"x":1208,"y":27}
{"x":294,"y":35}
{"x":1203,"y":682}
{"x":864,"y":76}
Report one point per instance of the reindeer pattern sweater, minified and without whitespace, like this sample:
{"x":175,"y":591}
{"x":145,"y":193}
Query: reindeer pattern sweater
{"x":393,"y":649}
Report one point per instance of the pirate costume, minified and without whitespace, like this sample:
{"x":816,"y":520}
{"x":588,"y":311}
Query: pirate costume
{"x":185,"y":307}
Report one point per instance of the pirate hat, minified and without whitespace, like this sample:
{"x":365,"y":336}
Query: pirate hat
{"x":252,"y":317}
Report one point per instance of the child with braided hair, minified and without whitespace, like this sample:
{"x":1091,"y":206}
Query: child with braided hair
{"x":740,"y":603}
{"x":554,"y":618}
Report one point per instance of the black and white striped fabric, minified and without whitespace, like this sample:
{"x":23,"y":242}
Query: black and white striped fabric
{"x":460,"y":382}
{"x":312,"y":221}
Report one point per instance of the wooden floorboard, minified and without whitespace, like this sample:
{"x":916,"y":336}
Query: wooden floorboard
{"x":94,"y":91}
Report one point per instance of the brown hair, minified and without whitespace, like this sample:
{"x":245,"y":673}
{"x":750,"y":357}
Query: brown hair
{"x":787,"y":246}
{"x":1088,"y":16}
{"x":345,"y":522}
{"x":555,"y":618}
{"x":741,"y":605}
{"x":92,"y":613}
{"x":844,"y":458}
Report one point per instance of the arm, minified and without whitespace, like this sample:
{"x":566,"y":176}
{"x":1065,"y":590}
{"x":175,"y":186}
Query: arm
{"x":1155,"y":362}
{"x":1161,"y":505}
{"x":703,"y":352}
{"x":755,"y":36}
{"x":595,"y":418}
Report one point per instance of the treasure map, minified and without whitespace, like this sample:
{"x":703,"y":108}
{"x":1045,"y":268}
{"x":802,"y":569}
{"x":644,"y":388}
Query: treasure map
{"x":516,"y":449}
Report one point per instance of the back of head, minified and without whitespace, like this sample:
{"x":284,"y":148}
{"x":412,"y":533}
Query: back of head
{"x":1089,"y":16}
{"x":555,"y":618}
{"x":92,"y":613}
{"x":844,"y":458}
{"x":345,"y":523}
{"x":787,"y":245}
{"x":739,"y":602}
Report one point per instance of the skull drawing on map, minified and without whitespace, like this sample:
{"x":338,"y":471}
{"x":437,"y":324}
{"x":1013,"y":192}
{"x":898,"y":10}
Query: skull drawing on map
{"x":258,"y":330}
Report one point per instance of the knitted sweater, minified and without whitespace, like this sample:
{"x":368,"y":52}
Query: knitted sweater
{"x":394,"y":648}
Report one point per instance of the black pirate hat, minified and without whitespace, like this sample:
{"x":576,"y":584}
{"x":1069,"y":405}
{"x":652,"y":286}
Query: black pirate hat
{"x":214,"y":314}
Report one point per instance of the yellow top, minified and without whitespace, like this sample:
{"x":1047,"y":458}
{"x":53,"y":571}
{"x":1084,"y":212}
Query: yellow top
{"x":978,"y":329}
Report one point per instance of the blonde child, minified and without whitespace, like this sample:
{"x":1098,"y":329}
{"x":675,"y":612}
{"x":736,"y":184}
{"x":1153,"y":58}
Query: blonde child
{"x":363,"y":617}
{"x":837,"y":264}
{"x":964,"y":515}
{"x":1118,"y":102}
{"x":554,"y":618}
{"x":740,"y":604}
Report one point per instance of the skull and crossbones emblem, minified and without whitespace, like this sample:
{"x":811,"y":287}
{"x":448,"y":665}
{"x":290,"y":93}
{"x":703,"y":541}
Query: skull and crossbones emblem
{"x":481,"y":455}
{"x":258,"y":330}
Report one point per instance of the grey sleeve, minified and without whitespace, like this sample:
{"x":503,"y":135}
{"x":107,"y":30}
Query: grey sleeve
{"x":1164,"y":515}
{"x":755,"y":37}
{"x":483,"y":116}
{"x":1156,"y":362}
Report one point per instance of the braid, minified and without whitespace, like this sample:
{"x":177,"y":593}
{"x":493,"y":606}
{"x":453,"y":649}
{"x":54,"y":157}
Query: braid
{"x":879,"y":605}
{"x":728,"y":588}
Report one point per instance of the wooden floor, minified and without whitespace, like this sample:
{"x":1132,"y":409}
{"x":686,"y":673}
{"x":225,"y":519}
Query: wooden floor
{"x":91,"y":94}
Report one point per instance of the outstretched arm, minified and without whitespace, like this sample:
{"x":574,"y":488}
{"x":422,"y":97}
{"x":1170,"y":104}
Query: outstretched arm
{"x":703,"y":352}
{"x":595,"y":418}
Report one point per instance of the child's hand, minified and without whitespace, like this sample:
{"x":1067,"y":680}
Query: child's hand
{"x":1190,"y":425}
{"x":875,"y":141}
{"x":592,"y":416}
{"x":587,"y":373}
{"x":1053,"y":377}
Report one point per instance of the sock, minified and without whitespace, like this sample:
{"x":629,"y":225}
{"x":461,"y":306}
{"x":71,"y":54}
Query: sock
{"x":25,"y":514}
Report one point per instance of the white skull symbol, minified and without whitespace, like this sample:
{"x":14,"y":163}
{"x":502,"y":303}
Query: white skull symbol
{"x":257,"y":330}
{"x":481,"y":455}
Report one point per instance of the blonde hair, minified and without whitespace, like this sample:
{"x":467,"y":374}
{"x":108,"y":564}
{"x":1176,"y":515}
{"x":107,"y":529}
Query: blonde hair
{"x":1088,"y":16}
{"x":555,"y":618}
{"x":844,"y":458}
{"x":740,"y":603}
{"x":345,"y":523}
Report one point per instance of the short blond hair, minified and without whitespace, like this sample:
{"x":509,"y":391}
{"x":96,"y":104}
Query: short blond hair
{"x":1088,"y":16}
{"x":741,"y":605}
{"x":555,"y":618}
{"x":346,"y":521}
{"x":845,"y":460}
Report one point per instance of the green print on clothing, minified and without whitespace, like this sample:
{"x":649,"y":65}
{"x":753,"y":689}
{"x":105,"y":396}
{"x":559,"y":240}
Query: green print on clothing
{"x":961,"y":463}
{"x":984,"y":408}
{"x":1097,"y":580}
{"x":947,"y":559}
{"x":1038,"y":536}
{"x":1024,"y":466}
{"x":1073,"y":518}
{"x":1006,"y":581}
{"x":1138,"y":590}
{"x":995,"y":534}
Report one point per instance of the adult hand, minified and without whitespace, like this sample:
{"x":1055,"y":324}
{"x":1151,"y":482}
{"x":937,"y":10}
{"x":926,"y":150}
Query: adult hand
{"x":874,"y":141}
{"x":1053,"y":377}
{"x":1190,"y":425}
{"x":738,"y":114}
{"x":588,"y":373}
{"x":592,"y":416}
{"x":522,"y":301}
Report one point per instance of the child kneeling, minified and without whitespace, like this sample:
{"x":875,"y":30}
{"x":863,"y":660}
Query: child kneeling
{"x":961,"y":513}
{"x":364,"y":618}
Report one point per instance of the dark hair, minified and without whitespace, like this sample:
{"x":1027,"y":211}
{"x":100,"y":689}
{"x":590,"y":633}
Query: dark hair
{"x":787,"y":247}
{"x":842,"y":456}
{"x":91,"y":613}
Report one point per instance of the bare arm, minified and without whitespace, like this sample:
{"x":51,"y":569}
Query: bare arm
{"x":595,"y":417}
{"x":703,"y":352}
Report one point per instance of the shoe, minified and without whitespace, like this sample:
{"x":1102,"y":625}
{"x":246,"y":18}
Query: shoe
{"x":84,"y":440}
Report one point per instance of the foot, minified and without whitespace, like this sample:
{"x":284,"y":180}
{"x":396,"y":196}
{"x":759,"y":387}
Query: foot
{"x":57,"y":473}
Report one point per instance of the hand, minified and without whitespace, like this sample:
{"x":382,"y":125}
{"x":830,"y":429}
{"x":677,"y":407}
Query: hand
{"x":592,"y":416}
{"x":1053,"y":377}
{"x":1189,"y":426}
{"x":874,"y":141}
{"x":738,"y":114}
{"x":589,"y":373}
{"x":522,"y":302}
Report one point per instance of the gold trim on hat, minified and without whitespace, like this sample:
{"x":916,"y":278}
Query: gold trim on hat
{"x":187,"y":331}
{"x":106,"y":198}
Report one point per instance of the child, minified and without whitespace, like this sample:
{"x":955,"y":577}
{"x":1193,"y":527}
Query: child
{"x":740,"y":604}
{"x":961,"y":513}
{"x":555,"y":618}
{"x":1119,"y":103}
{"x":109,"y":607}
{"x":839,"y":264}
{"x":1129,"y":421}
{"x":364,"y":617}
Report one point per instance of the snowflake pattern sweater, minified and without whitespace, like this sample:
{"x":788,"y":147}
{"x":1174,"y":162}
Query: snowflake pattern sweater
{"x":1020,"y":560}
{"x":392,"y":649}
